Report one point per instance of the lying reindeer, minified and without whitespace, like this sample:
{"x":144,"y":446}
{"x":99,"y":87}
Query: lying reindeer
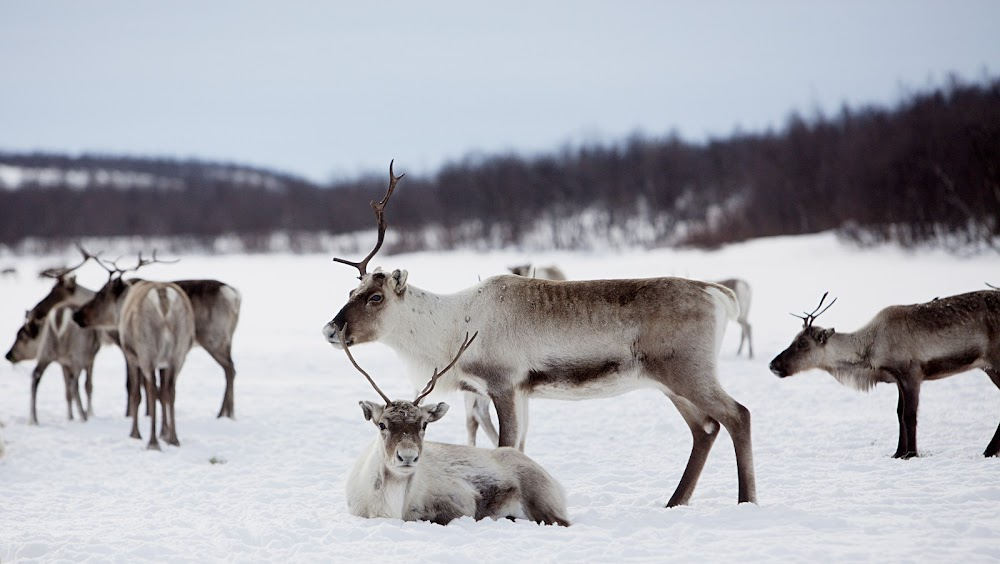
{"x":57,"y":339}
{"x":551,"y":272}
{"x":905,"y":345}
{"x":400,"y":476}
{"x":562,"y":340}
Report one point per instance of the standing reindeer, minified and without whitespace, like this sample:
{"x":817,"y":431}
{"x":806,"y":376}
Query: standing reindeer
{"x":216,"y":307}
{"x":743,"y":294}
{"x":562,"y":340}
{"x":904,"y":345}
{"x":58,"y":339}
{"x":401,"y":476}
{"x":156,"y":329}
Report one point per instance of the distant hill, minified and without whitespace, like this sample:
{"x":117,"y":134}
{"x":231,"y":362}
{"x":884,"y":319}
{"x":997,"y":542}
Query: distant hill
{"x":927,"y":170}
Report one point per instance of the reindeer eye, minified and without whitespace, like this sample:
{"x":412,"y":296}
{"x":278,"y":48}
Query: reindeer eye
{"x":381,"y":426}
{"x":801,"y":344}
{"x":375,"y":298}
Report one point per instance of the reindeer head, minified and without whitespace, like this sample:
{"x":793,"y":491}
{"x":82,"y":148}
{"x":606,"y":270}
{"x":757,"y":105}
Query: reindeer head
{"x":370,"y":306}
{"x":808,"y":349}
{"x":401,"y":424}
{"x":25,"y":345}
{"x":104,"y":309}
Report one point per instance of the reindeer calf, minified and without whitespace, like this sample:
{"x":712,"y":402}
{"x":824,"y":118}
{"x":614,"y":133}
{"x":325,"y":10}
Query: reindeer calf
{"x":905,"y":345}
{"x":56,"y":338}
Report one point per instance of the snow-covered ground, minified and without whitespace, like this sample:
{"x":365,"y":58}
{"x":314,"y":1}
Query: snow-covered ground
{"x":270,"y":485}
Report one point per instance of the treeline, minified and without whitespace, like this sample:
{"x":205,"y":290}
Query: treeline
{"x":927,"y":170}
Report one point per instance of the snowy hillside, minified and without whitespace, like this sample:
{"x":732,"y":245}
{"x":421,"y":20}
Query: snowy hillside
{"x":269,"y":486}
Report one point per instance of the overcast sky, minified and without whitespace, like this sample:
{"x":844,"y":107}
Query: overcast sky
{"x":331,"y":89}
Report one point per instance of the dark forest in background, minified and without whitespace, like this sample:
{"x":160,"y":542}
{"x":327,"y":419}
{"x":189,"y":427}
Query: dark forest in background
{"x":926,"y":170}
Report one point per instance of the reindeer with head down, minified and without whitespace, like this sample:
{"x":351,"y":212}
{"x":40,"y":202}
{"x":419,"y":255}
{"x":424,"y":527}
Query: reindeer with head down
{"x":564,"y":340}
{"x":402,"y":476}
{"x":904,"y":345}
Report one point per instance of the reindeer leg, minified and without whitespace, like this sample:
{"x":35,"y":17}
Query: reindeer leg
{"x":68,"y":384}
{"x":749,"y":331}
{"x":900,"y":405}
{"x":704,"y":431}
{"x":74,"y":383}
{"x":522,"y":409}
{"x":993,"y":449}
{"x":507,"y":405}
{"x":225,"y":359}
{"x":151,"y":395}
{"x":88,"y":387}
{"x":485,"y":421}
{"x":471,"y":421}
{"x":707,"y":395}
{"x":910,"y":397}
{"x":36,"y":378}
{"x":171,"y":385}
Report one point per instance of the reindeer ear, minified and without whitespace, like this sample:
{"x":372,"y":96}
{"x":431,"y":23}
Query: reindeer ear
{"x":825,"y":334}
{"x":398,"y":281}
{"x":434,"y":412}
{"x":371,"y":410}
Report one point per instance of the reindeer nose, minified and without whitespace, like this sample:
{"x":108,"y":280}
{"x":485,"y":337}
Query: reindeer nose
{"x":78,"y":319}
{"x":777,"y":369}
{"x":10,"y":356}
{"x":407,"y":457}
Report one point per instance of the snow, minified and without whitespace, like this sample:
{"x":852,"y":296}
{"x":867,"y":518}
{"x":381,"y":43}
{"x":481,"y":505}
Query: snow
{"x":270,"y":485}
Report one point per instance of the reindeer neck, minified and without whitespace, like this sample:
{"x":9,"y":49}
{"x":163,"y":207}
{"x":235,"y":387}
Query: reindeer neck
{"x":383,"y":493}
{"x":440,"y":320}
{"x":848,"y":359}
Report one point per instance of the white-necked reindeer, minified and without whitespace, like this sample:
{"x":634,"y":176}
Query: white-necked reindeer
{"x":905,"y":345}
{"x":156,"y":329}
{"x":743,"y":294}
{"x":57,"y":339}
{"x":401,"y":476}
{"x":563,"y":340}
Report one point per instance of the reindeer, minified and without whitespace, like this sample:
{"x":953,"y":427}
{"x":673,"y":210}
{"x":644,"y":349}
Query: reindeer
{"x":551,"y":272}
{"x":58,"y":339}
{"x":156,"y":329}
{"x":563,"y":340}
{"x":401,"y":476}
{"x":216,"y":306}
{"x":743,"y":294}
{"x":904,"y":345}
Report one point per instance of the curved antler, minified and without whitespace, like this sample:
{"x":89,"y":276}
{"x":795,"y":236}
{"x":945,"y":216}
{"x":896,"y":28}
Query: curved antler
{"x":58,"y":273}
{"x":121,"y":271}
{"x":379,"y":208}
{"x":807,"y":321}
{"x":430,"y":383}
{"x":343,"y":341}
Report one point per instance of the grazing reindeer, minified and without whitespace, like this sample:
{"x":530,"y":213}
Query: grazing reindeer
{"x":216,"y":307}
{"x":905,"y":345}
{"x":545,"y":272}
{"x":401,"y":476}
{"x":156,"y":329}
{"x":58,"y":339}
{"x":562,"y":340}
{"x":743,"y":294}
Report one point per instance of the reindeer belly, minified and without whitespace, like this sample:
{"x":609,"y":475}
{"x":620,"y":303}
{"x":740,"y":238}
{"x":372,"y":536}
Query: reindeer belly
{"x":579,"y":380}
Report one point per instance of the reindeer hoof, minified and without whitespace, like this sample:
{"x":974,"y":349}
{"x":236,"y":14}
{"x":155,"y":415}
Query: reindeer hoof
{"x":905,"y":455}
{"x":153,"y":446}
{"x":135,"y":435}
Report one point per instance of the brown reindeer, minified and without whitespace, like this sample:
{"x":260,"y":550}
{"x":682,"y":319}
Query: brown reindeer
{"x":905,"y":345}
{"x":561,"y":340}
{"x":156,"y":329}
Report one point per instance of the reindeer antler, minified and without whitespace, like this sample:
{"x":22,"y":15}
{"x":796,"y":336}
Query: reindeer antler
{"x":808,"y":319}
{"x":343,"y":341}
{"x":430,"y":383}
{"x":142,"y":262}
{"x":58,"y":273}
{"x":379,"y":208}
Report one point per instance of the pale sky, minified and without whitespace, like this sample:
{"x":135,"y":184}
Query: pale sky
{"x":333,"y":89}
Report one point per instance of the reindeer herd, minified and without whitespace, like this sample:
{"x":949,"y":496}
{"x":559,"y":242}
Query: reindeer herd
{"x":534,"y":334}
